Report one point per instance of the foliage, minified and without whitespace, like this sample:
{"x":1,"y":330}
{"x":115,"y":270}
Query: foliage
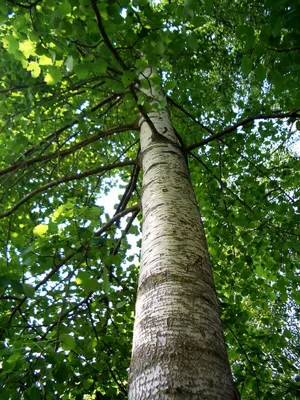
{"x":69,"y":104}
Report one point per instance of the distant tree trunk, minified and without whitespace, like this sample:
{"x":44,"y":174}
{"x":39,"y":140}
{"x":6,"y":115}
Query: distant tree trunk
{"x":178,"y":345}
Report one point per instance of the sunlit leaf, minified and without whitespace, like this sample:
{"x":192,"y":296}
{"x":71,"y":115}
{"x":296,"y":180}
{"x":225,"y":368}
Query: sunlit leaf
{"x":40,"y":230}
{"x":53,"y":76}
{"x":34,"y":68}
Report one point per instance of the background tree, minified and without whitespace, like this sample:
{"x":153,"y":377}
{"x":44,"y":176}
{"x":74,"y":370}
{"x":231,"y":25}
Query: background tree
{"x":70,"y":101}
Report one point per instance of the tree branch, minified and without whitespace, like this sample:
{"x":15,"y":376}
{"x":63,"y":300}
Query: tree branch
{"x":121,"y":62}
{"x":243,"y":122}
{"x":70,"y":125}
{"x":115,"y":218}
{"x":65,"y":179}
{"x":130,"y":187}
{"x":222,"y":183}
{"x":189,"y":115}
{"x":285,"y":50}
{"x":134,"y":209}
{"x":26,"y":163}
{"x":24,"y":5}
{"x":105,"y":37}
{"x":260,"y":171}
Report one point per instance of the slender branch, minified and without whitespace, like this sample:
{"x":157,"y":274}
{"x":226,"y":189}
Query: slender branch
{"x":143,"y":113}
{"x":247,"y":358}
{"x":60,"y":318}
{"x":121,"y":62}
{"x":260,"y":171}
{"x":116,"y":218}
{"x":70,"y":125}
{"x":130,"y":187}
{"x":12,"y":89}
{"x":243,"y":122}
{"x":285,"y":50}
{"x":222,"y":183}
{"x":24,"y":5}
{"x":65,"y":179}
{"x":105,"y":37}
{"x":72,"y":149}
{"x":189,"y":115}
{"x":134,"y":209}
{"x":10,"y":298}
{"x":124,"y":233}
{"x":66,"y":313}
{"x":115,"y":160}
{"x":47,"y":277}
{"x":121,"y":387}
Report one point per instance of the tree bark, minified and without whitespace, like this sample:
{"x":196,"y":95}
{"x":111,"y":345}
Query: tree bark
{"x":178,"y":345}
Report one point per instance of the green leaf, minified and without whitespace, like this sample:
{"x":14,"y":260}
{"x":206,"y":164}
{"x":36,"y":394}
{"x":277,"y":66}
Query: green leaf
{"x":32,"y":394}
{"x":11,"y":44}
{"x":209,"y":4}
{"x":171,"y":85}
{"x":100,"y":67}
{"x":128,"y":77}
{"x":68,"y":342}
{"x":159,"y":48}
{"x":81,"y":71}
{"x":121,"y":304}
{"x":69,"y":64}
{"x":260,"y":271}
{"x":65,"y":7}
{"x":44,"y":60}
{"x":189,"y":6}
{"x":61,"y":373}
{"x":28,"y":290}
{"x":34,"y":68}
{"x":82,"y":276}
{"x":14,"y":357}
{"x":27,"y":48}
{"x":260,"y":73}
{"x":17,"y":286}
{"x":193,"y":42}
{"x":4,"y":281}
{"x":4,"y":8}
{"x":246,"y":65}
{"x":53,"y":76}
{"x":296,"y":296}
{"x":40,"y":230}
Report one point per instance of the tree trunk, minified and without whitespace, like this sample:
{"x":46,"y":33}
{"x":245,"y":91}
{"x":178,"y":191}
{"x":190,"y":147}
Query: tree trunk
{"x":178,"y":345}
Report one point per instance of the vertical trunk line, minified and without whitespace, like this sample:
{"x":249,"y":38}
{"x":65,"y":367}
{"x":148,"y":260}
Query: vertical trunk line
{"x":178,"y":345}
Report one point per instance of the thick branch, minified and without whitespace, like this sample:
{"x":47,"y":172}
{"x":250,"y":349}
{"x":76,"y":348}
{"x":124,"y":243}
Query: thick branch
{"x":243,"y":122}
{"x":65,"y":179}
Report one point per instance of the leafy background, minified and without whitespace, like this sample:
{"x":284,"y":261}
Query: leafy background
{"x":69,"y":104}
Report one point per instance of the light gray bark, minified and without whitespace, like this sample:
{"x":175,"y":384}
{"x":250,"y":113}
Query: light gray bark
{"x":178,"y":346}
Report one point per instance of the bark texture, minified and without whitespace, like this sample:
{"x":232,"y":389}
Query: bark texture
{"x":178,"y":346}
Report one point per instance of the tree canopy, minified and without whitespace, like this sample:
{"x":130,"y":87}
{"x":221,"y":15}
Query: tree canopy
{"x":70,"y":100}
